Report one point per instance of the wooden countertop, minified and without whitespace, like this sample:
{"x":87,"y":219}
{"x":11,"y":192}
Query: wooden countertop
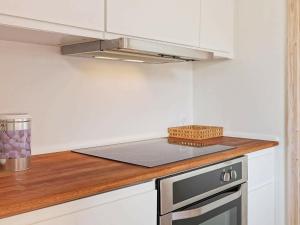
{"x":64,"y":176}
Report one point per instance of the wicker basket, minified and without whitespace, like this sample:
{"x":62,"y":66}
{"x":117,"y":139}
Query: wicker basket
{"x":191,"y":143}
{"x":195,"y":132}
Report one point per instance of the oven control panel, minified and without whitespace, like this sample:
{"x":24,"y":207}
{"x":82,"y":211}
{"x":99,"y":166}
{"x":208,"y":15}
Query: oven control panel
{"x":208,"y":180}
{"x":231,"y":174}
{"x":179,"y":190}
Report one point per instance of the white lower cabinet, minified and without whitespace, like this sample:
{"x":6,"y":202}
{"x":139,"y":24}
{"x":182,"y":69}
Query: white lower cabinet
{"x":136,"y":210}
{"x":261,"y":188}
{"x":136,"y":205}
{"x":261,"y":206}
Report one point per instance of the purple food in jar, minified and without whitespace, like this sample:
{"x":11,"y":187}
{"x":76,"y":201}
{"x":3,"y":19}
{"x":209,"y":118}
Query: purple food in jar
{"x":8,"y":147}
{"x":27,"y":146}
{"x":4,"y":137}
{"x":21,"y":133}
{"x":23,"y":153}
{"x":20,"y":146}
{"x":13,"y":154}
{"x":15,"y":136}
{"x":23,"y":139}
{"x":15,"y":144}
{"x":12,"y":142}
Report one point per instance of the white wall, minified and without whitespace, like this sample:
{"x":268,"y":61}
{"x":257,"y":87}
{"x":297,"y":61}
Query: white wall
{"x":246,"y":95}
{"x":77,"y":102}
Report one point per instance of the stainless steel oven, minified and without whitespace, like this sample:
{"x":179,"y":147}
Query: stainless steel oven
{"x":213,"y":195}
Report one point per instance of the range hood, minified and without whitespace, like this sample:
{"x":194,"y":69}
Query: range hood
{"x":135,"y":50}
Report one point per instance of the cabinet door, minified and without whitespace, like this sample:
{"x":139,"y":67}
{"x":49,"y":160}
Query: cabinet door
{"x":261,"y":187}
{"x":88,"y":14}
{"x":136,"y":210}
{"x":134,"y":205}
{"x":261,"y":206}
{"x":175,"y":21}
{"x":217,"y":25}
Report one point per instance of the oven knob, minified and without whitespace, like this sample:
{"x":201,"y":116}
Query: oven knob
{"x":233,"y":174}
{"x":226,"y":176}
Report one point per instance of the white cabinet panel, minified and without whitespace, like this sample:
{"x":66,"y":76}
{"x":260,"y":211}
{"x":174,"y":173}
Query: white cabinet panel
{"x":133,"y":205}
{"x":217,"y":25}
{"x":136,"y":210}
{"x":261,"y":168}
{"x":261,"y":187}
{"x":261,"y":206}
{"x":175,"y":21}
{"x":88,"y":14}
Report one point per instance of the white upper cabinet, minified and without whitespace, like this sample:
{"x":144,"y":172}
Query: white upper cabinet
{"x":204,"y":24}
{"x":217,"y":25}
{"x":87,"y":14}
{"x":175,"y":21}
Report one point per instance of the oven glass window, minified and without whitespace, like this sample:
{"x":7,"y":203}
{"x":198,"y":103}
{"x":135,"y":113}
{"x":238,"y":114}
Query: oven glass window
{"x":229,"y":214}
{"x":226,"y":218}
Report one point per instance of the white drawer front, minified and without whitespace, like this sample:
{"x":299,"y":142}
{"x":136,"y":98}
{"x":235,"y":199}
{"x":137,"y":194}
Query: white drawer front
{"x":261,"y":206}
{"x":261,"y":168}
{"x":134,"y":205}
{"x":136,"y":210}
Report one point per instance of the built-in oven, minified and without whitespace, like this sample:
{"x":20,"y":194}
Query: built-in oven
{"x":213,"y":195}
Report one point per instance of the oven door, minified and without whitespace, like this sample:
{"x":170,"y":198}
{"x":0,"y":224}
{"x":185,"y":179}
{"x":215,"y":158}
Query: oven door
{"x":226,"y":208}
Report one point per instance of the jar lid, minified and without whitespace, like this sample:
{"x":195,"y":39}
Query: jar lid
{"x":15,"y":117}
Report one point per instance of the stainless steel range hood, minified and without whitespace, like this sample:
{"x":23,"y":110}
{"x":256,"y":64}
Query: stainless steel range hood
{"x":135,"y":50}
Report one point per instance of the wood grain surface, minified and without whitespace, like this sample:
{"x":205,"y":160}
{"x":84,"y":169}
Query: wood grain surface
{"x":293,"y":113}
{"x":65,"y":176}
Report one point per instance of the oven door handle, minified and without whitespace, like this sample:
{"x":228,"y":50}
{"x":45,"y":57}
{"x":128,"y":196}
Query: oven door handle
{"x":206,"y":208}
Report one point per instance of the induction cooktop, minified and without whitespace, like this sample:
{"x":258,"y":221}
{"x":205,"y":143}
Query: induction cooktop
{"x":152,"y":153}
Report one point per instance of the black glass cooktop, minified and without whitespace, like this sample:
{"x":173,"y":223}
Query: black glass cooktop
{"x":152,"y":153}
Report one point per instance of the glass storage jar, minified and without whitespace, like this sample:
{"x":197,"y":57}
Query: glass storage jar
{"x":15,"y":141}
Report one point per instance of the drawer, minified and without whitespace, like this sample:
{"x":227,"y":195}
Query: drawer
{"x":134,"y":205}
{"x":261,"y":168}
{"x":136,"y":210}
{"x":261,"y":206}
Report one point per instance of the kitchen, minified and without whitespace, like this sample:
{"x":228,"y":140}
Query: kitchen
{"x":78,"y":102}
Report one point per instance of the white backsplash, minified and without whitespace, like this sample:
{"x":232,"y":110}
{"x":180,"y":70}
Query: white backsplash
{"x":77,"y":102}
